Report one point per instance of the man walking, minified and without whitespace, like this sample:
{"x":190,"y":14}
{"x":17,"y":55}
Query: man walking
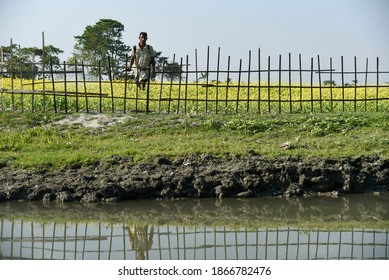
{"x":144,"y":57}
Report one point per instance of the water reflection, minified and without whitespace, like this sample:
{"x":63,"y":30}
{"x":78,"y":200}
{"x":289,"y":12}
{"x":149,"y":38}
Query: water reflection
{"x":317,"y":228}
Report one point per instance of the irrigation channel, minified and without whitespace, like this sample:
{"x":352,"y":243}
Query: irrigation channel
{"x":350,"y":227}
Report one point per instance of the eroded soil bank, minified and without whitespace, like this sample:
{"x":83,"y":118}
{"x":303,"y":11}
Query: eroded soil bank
{"x":196,"y":177}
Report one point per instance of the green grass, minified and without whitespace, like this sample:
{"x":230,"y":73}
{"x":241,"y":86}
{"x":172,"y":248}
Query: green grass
{"x":33,"y":140}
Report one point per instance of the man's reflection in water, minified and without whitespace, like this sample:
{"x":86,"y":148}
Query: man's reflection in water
{"x":141,"y":238}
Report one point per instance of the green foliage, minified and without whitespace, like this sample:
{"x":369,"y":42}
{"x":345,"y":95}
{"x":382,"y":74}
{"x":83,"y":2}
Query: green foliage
{"x":101,"y":42}
{"x":322,"y":126}
{"x":26,"y":62}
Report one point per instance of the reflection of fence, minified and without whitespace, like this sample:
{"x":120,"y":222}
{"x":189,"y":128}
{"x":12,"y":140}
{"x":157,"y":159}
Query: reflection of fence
{"x":33,"y":240}
{"x":259,"y":87}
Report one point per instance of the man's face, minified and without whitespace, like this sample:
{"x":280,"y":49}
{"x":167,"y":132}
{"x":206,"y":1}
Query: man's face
{"x":142,"y":39}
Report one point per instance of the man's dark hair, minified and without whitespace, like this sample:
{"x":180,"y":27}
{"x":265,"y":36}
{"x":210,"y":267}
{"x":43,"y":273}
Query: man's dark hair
{"x":144,"y":34}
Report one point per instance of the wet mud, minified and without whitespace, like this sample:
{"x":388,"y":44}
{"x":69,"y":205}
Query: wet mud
{"x":197,"y":176}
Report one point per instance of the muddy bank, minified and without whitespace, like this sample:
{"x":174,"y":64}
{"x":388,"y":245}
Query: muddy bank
{"x":197,"y":177}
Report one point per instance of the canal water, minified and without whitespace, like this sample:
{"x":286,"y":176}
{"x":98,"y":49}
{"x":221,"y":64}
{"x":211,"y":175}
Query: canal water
{"x":268,"y":228}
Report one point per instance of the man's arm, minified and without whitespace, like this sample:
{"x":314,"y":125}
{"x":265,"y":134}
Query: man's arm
{"x":132,"y":60}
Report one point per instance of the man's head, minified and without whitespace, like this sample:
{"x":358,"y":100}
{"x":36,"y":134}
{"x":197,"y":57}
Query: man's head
{"x":143,"y":36}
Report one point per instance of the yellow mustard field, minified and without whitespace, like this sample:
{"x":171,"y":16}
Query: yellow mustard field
{"x":179,"y":97}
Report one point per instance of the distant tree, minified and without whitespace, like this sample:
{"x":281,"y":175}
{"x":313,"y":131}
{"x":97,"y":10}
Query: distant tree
{"x":203,"y":76}
{"x":28,"y":62}
{"x":101,"y":42}
{"x":329,"y":83}
{"x":170,"y":70}
{"x":173,"y":71}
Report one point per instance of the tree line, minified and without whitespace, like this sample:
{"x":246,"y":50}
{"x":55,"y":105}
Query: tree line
{"x":100,"y":44}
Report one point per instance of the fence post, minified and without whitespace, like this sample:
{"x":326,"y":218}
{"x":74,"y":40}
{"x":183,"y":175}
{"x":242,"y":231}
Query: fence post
{"x":179,"y":87}
{"x":331,"y":85}
{"x":320,"y":91}
{"x":148,"y":91}
{"x":268,"y":84}
{"x":206,"y":83}
{"x":21,"y":84}
{"x":161,"y":87}
{"x":171,"y":82}
{"x":111,"y":85}
{"x":312,"y":85}
{"x":248,"y":82}
{"x":12,"y":76}
{"x":301,"y":84}
{"x":259,"y":80}
{"x":378,"y":82}
{"x":33,"y":85}
{"x":53,"y":84}
{"x":43,"y":72}
{"x":197,"y":83}
{"x":238,"y":94}
{"x":65,"y":87}
{"x":217,"y":79}
{"x":290,"y":83}
{"x":100,"y":88}
{"x":125,"y":85}
{"x":355,"y":83}
{"x":76,"y":78}
{"x":367,"y":67}
{"x":342,"y":70}
{"x":85,"y":91}
{"x":186,"y":81}
{"x":279,"y":84}
{"x":228,"y":79}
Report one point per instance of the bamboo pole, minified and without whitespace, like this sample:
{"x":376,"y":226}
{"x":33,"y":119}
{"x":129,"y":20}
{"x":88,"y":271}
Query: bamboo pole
{"x":290,"y":83}
{"x":367,"y":69}
{"x":125,"y":86}
{"x":85,"y":91}
{"x":217,"y":78}
{"x":44,"y":71}
{"x":355,"y":83}
{"x":65,"y":88}
{"x":186,"y":82}
{"x":342,"y":73}
{"x":111,"y":84}
{"x":320,"y":91}
{"x":378,"y":82}
{"x":312,"y":85}
{"x":331,"y":85}
{"x":207,"y":79}
{"x":268,"y":84}
{"x":76,"y":81}
{"x":53,"y":85}
{"x":239,"y":79}
{"x":248,"y":82}
{"x":179,"y":87}
{"x":279,"y":83}
{"x":301,"y":83}
{"x":228,"y":79}
{"x":259,"y":80}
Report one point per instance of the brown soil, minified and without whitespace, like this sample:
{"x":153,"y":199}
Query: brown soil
{"x":197,"y":177}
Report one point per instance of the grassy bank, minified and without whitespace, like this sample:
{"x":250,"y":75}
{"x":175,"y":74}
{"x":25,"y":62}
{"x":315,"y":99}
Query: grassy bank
{"x":41,"y":140}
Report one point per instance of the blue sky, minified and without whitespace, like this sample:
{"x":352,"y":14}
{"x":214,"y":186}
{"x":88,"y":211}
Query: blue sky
{"x":329,"y":28}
